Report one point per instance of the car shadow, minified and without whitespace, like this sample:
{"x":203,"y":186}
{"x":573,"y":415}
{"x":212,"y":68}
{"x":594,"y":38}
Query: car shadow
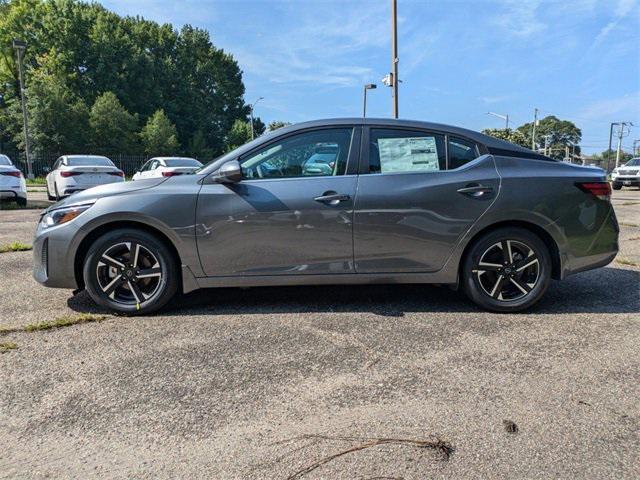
{"x":606,"y":290}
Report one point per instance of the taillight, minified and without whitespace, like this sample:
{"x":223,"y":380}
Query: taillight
{"x":116,"y":174}
{"x":70,"y":174}
{"x":12,"y":173}
{"x":602,"y":190}
{"x":171,"y":174}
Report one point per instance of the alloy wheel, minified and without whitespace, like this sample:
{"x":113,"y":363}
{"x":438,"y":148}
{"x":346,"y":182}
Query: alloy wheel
{"x":508,"y":270}
{"x":129,"y":273}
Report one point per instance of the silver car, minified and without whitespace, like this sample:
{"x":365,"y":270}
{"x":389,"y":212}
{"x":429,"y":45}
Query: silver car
{"x":404,"y":202}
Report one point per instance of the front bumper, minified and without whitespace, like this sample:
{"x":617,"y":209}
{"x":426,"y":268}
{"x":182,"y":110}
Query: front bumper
{"x":54,"y":255}
{"x":626,"y":181}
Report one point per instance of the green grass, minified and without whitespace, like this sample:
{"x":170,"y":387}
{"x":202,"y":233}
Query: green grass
{"x":36,"y":181}
{"x":625,"y":261}
{"x":7,"y":346}
{"x":60,"y":322}
{"x":625,"y":224}
{"x":15,"y":247}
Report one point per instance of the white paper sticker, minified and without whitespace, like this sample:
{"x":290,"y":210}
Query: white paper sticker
{"x":408,"y":154}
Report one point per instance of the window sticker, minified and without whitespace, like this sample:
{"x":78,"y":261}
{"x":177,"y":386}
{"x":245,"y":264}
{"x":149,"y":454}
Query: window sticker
{"x":408,"y":154}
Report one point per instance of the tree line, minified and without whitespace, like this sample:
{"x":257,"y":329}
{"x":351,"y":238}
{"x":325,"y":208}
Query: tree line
{"x":100,"y":83}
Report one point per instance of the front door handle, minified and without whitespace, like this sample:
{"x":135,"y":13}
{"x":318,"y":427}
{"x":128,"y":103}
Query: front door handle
{"x":332,"y":198}
{"x":476,"y":190}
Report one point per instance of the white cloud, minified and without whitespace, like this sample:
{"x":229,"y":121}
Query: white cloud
{"x":623,"y":8}
{"x":520,"y":18}
{"x":627,"y":106}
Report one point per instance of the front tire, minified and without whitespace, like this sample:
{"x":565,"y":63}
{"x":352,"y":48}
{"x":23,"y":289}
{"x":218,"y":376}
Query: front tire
{"x":507,"y":270}
{"x":131,"y":272}
{"x":617,"y":186}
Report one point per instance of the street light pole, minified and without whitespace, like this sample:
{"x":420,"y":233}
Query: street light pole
{"x":20,"y":47}
{"x":368,"y":86}
{"x":609,"y":150}
{"x":533,"y":134}
{"x":504,"y":117}
{"x":251,"y":107}
{"x":394,"y":55}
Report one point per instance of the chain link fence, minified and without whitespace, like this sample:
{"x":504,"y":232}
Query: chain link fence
{"x":42,"y":162}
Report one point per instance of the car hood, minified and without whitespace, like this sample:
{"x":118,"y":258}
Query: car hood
{"x":108,"y":190}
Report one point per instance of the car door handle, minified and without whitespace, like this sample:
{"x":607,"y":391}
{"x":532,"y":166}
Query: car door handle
{"x":332,"y":198}
{"x":476,"y":190}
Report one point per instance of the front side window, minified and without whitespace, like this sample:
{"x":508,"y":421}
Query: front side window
{"x":461,"y":152}
{"x":309,"y":154}
{"x":405,"y":151}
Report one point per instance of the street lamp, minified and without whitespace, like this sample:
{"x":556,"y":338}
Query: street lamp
{"x":251,"y":107}
{"x":504,"y":117}
{"x":20,"y":46}
{"x":368,"y":86}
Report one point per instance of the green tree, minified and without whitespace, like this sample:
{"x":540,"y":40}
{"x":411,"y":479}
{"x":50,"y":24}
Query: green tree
{"x":113,"y":128}
{"x":239,"y":134}
{"x":159,"y":135}
{"x":258,"y":127}
{"x":197,"y":147}
{"x":559,"y":134}
{"x":513,"y":136}
{"x":276,"y":124}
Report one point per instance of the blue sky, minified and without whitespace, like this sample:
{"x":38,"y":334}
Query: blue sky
{"x":576,"y":59}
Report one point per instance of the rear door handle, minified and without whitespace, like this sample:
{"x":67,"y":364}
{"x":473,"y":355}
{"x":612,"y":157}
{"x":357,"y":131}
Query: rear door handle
{"x":332,"y":198}
{"x":476,"y":190}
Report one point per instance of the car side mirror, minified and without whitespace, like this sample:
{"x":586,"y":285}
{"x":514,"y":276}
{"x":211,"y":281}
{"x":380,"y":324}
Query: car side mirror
{"x":230,"y":172}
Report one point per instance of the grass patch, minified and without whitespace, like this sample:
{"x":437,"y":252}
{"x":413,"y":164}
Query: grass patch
{"x":29,"y":206}
{"x":60,"y":322}
{"x":15,"y":247}
{"x":625,"y":261}
{"x":7,"y":346}
{"x":625,"y":224}
{"x":36,"y":181}
{"x":630,"y":203}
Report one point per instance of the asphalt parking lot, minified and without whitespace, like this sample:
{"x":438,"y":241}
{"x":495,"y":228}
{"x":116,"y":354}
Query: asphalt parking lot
{"x":388,"y":382}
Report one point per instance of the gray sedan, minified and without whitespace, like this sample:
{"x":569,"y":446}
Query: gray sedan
{"x":399,"y":202}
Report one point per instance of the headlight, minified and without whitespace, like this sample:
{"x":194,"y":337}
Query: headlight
{"x":62,"y":215}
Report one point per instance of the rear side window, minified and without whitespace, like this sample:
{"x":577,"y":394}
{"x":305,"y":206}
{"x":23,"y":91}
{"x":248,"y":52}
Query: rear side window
{"x":4,"y":160}
{"x":461,"y":152}
{"x":405,"y":151}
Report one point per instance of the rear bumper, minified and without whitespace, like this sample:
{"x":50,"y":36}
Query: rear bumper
{"x":12,"y":194}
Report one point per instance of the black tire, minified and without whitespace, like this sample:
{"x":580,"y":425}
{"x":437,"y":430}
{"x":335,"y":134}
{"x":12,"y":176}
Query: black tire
{"x":21,"y":201}
{"x":617,"y":186}
{"x":516,"y":291}
{"x":114,"y":286}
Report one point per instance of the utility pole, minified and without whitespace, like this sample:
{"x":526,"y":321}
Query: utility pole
{"x":251,"y":115}
{"x":621,"y":133}
{"x":609,"y":149}
{"x":636,"y":150}
{"x":20,"y":46}
{"x":533,"y":134}
{"x":394,"y":56}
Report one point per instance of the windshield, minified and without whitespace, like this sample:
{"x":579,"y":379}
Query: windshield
{"x":89,"y":161}
{"x":634,"y":162}
{"x":4,"y":160}
{"x":182,"y":162}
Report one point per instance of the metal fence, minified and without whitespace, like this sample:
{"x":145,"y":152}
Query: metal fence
{"x":42,"y":162}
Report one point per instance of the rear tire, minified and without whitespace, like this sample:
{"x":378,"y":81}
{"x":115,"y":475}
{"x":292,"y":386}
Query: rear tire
{"x":21,"y":201}
{"x":617,"y":186}
{"x":49,"y":196}
{"x":55,"y":188}
{"x":507,"y":270}
{"x":121,"y":280}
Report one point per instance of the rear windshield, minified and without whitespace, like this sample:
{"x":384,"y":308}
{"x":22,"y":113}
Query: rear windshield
{"x":4,"y":160}
{"x":182,"y":162}
{"x":89,"y":161}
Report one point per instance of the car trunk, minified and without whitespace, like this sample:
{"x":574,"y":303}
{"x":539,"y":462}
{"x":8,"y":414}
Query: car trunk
{"x":94,"y":175}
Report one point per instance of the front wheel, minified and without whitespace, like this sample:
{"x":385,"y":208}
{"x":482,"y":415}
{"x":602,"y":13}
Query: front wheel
{"x":507,"y":270}
{"x":130,"y":271}
{"x":617,"y":186}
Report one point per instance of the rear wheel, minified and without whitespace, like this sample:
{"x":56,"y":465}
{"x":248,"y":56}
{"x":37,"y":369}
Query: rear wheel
{"x":617,"y":186}
{"x":130,"y":271}
{"x":507,"y":270}
{"x":57,"y":195}
{"x":21,"y":201}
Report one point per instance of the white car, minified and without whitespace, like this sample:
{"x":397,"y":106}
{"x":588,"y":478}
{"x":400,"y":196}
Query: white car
{"x":167,"y":167}
{"x":628,"y":175}
{"x":12,"y":183}
{"x":74,"y":173}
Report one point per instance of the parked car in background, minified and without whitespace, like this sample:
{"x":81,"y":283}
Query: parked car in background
{"x":627,"y":175}
{"x":167,"y":167}
{"x":74,"y":173}
{"x":407,"y":202}
{"x":12,"y":183}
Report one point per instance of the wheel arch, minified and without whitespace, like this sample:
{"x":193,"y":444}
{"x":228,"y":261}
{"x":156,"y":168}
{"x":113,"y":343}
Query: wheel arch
{"x":546,"y":237}
{"x":98,"y":231}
